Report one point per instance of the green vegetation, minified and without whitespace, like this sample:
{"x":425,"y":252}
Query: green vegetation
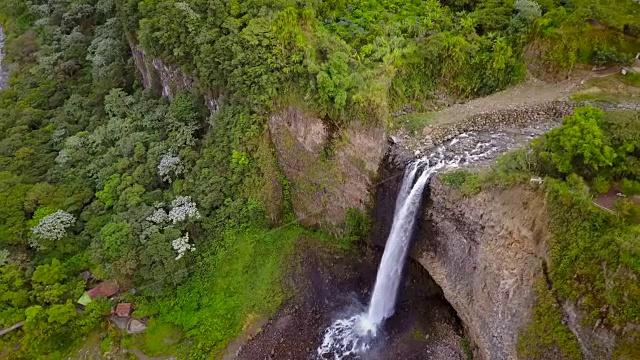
{"x":159,"y":339}
{"x":547,"y":337}
{"x":415,"y":122}
{"x":99,"y":174}
{"x":360,"y":59}
{"x":466,"y":348}
{"x":594,"y":256}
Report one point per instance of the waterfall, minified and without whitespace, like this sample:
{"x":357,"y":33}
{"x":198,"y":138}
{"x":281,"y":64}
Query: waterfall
{"x":349,"y":337}
{"x":389,"y":274}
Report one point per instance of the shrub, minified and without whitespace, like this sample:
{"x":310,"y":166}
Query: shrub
{"x":357,"y":225}
{"x":455,"y":178}
{"x":630,"y":187}
{"x":628,"y":210}
{"x":601,"y":185}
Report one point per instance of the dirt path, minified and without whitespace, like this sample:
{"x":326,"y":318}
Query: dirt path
{"x":523,"y":95}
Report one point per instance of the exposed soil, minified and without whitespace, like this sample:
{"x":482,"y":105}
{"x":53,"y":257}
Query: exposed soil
{"x":330,"y":284}
{"x":523,"y":95}
{"x":608,"y":201}
{"x":535,"y":91}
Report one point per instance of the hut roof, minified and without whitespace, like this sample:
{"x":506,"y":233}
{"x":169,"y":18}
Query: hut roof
{"x":106,"y":289}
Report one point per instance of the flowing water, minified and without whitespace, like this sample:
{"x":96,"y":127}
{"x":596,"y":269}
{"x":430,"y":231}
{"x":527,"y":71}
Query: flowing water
{"x":385,"y":291}
{"x":349,"y":337}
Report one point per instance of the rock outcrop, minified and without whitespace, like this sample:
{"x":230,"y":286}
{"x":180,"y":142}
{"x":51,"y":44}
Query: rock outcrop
{"x":329,"y":169}
{"x":168,"y":80}
{"x":486,"y":252}
{"x":3,"y":72}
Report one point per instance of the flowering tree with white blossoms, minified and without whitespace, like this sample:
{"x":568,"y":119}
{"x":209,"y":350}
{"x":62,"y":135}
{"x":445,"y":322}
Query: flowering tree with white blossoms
{"x":159,"y":216}
{"x":170,"y":164}
{"x":52,"y":227}
{"x":181,"y":245}
{"x":182,"y":208}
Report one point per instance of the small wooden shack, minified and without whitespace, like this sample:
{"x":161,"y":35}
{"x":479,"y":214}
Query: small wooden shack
{"x":107,"y":289}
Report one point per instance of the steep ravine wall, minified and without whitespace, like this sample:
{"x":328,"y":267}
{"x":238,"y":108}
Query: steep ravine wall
{"x":486,"y":252}
{"x":166,"y":79}
{"x":329,"y":170}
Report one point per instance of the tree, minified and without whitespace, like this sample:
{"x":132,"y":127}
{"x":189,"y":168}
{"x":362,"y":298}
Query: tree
{"x":49,"y":274}
{"x":170,"y":165}
{"x":527,"y":11}
{"x":182,"y":208}
{"x":117,"y":240}
{"x":182,"y":245}
{"x":51,"y":228}
{"x":579,"y":144}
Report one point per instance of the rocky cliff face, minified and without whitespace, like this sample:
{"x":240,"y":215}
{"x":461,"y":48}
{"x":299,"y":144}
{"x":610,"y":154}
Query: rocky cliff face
{"x":3,"y":72}
{"x":486,"y":252}
{"x":166,"y":79}
{"x":329,"y":170}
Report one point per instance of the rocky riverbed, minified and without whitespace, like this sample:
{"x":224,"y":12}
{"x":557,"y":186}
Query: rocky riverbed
{"x":330,"y":284}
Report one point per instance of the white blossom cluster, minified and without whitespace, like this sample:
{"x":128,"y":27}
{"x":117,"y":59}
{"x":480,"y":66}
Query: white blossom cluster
{"x":51,"y":227}
{"x":159,"y":216}
{"x":170,"y":164}
{"x":182,"y":208}
{"x":181,"y":245}
{"x":63,"y":157}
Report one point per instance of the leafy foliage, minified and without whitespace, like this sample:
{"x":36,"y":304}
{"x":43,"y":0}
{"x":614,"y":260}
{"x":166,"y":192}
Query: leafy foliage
{"x":140,"y":175}
{"x":594,"y":255}
{"x":547,"y":336}
{"x":579,"y":142}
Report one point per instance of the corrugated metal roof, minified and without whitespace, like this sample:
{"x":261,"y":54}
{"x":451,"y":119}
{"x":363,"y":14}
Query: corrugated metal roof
{"x":123,"y":309}
{"x":106,"y":289}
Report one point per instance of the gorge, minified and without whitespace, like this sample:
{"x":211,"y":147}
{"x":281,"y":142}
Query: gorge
{"x":294,"y":180}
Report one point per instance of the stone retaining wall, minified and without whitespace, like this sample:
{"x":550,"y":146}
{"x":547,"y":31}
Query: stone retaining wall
{"x":499,"y":119}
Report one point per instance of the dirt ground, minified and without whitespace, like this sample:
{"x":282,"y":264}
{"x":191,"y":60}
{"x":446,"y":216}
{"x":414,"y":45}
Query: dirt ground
{"x":330,"y":284}
{"x":529,"y":93}
{"x":599,"y":84}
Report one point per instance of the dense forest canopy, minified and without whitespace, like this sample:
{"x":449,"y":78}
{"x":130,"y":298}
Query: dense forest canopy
{"x":98,"y":174}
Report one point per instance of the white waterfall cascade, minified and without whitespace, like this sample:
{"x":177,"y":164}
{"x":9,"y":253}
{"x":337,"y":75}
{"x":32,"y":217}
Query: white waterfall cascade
{"x":388,"y":279}
{"x":349,"y":337}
